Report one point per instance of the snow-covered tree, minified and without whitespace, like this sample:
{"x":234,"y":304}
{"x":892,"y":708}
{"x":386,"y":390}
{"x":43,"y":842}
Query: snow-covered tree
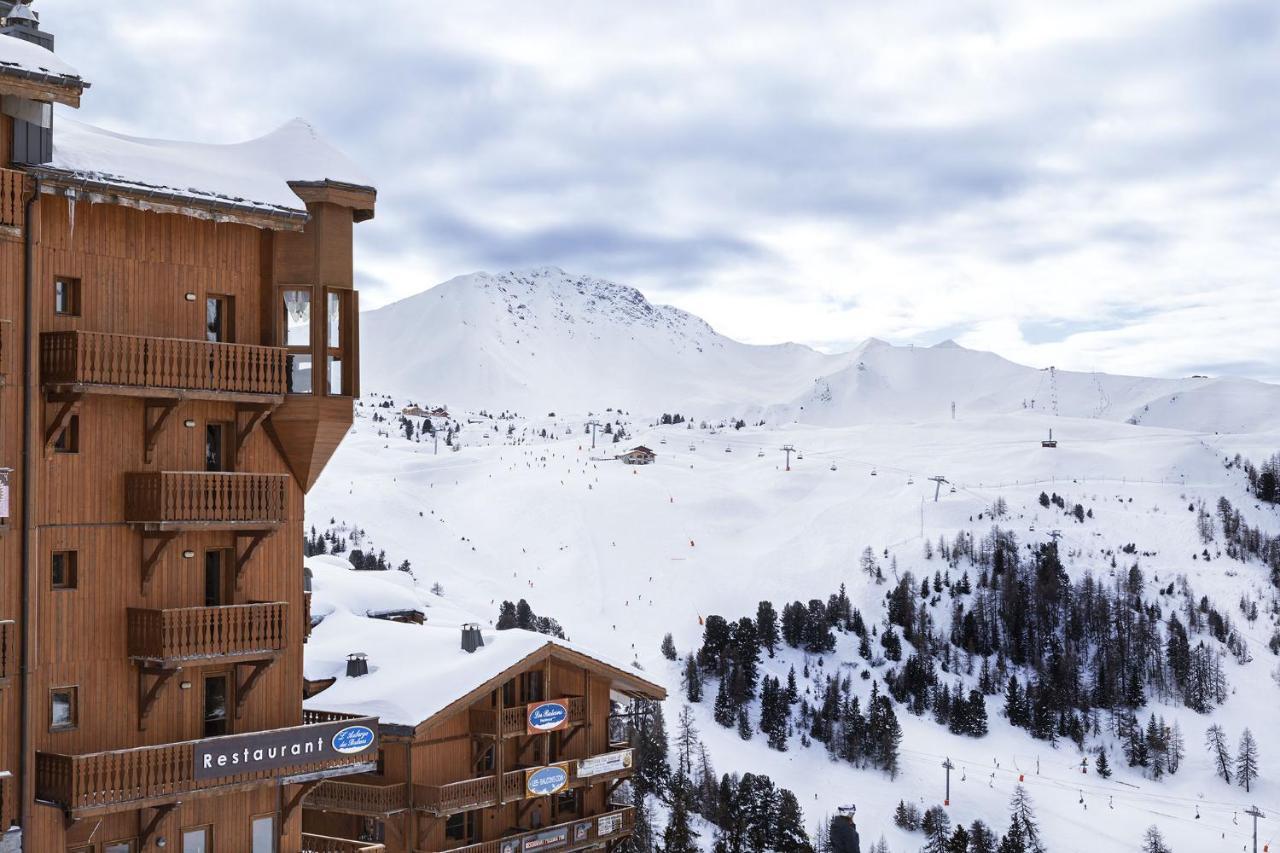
{"x":1246,"y":760}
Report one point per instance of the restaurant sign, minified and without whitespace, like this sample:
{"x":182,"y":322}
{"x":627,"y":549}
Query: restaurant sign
{"x":544,"y":781}
{"x":549,"y":839}
{"x":609,"y":762}
{"x":284,"y":748}
{"x":547,"y":717}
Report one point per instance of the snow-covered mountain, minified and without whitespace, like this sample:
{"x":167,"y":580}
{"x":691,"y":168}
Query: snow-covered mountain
{"x":543,"y":340}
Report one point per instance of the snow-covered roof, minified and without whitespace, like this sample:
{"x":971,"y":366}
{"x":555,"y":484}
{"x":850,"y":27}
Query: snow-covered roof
{"x":253,"y":175}
{"x":336,"y":585}
{"x":26,"y":58}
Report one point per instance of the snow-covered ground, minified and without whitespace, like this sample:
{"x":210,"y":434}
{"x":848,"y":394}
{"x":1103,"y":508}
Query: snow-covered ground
{"x":621,"y":555}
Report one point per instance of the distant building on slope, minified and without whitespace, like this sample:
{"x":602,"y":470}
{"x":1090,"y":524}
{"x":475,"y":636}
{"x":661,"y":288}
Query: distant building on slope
{"x":494,"y":742}
{"x":638,"y":456}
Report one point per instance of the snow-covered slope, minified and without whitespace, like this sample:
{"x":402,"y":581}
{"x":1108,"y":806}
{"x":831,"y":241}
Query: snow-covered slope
{"x":543,"y":340}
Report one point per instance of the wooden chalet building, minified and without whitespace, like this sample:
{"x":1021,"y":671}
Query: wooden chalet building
{"x":500,"y":744}
{"x":638,"y":456}
{"x":178,"y":361}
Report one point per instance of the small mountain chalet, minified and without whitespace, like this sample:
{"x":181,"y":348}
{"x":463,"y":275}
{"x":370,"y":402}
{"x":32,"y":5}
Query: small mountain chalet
{"x":490,"y":743}
{"x":638,"y":456}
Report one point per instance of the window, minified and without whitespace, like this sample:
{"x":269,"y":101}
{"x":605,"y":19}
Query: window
{"x":566,"y":804}
{"x":216,"y":695}
{"x":63,"y":711}
{"x":64,"y":569}
{"x":68,"y":441}
{"x":219,"y":319}
{"x":217,"y":456}
{"x":460,"y":827}
{"x":336,"y":334}
{"x":66,"y":296}
{"x":217,"y":578}
{"x":126,"y":846}
{"x":264,"y":834}
{"x":296,"y":334}
{"x":197,"y":840}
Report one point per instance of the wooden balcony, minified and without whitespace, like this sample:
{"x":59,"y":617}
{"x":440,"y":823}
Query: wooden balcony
{"x":176,"y":500}
{"x":12,"y":187}
{"x":8,"y":650}
{"x":312,"y":843}
{"x":191,"y":633}
{"x":370,"y":795}
{"x":563,"y":836}
{"x":148,"y":776}
{"x":443,"y":800}
{"x":132,"y":365}
{"x":485,"y":721}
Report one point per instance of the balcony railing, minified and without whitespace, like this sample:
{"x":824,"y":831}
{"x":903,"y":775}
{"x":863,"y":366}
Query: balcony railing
{"x":442,"y":800}
{"x":189,"y":633}
{"x":135,"y":778}
{"x":312,"y":843}
{"x":514,"y":722}
{"x":362,"y":795}
{"x":177,"y":364}
{"x":197,"y":498}
{"x":8,"y":649}
{"x":12,"y":183}
{"x":595,"y":830}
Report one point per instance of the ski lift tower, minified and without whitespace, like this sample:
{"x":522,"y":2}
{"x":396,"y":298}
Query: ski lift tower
{"x":592,"y":424}
{"x":788,"y":449}
{"x":937,"y":488}
{"x":1050,"y":441}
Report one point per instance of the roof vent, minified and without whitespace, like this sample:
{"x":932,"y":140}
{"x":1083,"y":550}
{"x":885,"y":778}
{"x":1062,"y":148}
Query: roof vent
{"x":357,"y":664}
{"x":471,"y":639}
{"x":21,"y":22}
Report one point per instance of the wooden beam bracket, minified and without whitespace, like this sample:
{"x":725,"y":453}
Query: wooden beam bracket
{"x":256,"y":538}
{"x":295,"y":801}
{"x":162,"y":540}
{"x":244,"y":688}
{"x":147,"y":696}
{"x":151,"y":429}
{"x":257,"y":413}
{"x":69,"y":404}
{"x":162,"y":812}
{"x":567,"y":738}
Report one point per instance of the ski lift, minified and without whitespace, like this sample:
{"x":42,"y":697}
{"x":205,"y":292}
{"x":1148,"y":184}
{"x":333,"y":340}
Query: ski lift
{"x":1032,"y":528}
{"x":833,"y":466}
{"x":691,"y":446}
{"x":953,"y":490}
{"x":728,"y":450}
{"x":761,"y":453}
{"x":664,"y":441}
{"x":873,"y":472}
{"x":910,"y":480}
{"x":799,"y":455}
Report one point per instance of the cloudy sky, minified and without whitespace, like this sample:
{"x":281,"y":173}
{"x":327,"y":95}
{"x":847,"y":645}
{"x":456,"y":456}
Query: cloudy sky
{"x":1087,"y":184}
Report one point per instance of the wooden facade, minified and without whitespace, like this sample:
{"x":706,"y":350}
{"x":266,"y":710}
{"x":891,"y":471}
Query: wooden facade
{"x":460,"y":780}
{"x":151,"y":582}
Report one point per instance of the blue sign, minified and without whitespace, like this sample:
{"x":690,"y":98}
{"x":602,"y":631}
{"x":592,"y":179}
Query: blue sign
{"x":546,"y":780}
{"x":353,"y":739}
{"x":547,"y":717}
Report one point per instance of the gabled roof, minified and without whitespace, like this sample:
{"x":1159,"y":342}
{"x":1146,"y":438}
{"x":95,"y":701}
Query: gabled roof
{"x":419,"y":673}
{"x":641,"y":449}
{"x":270,"y":177}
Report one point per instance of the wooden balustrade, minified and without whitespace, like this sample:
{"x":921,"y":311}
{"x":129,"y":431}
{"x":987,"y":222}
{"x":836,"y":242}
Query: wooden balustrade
{"x":363,"y":795}
{"x":8,"y":649}
{"x":8,"y":799}
{"x":441,"y":800}
{"x":12,"y":187}
{"x":312,"y":843}
{"x":7,"y":345}
{"x":514,"y":722}
{"x":592,"y":836}
{"x":140,"y":777}
{"x":194,"y":498}
{"x":311,"y":716}
{"x":132,"y":361}
{"x":187,"y":633}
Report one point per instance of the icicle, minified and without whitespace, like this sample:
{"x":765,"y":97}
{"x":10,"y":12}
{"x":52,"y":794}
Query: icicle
{"x":71,"y":212}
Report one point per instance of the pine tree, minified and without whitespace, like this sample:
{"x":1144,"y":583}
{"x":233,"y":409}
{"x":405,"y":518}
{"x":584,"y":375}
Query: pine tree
{"x":788,"y":830}
{"x":1215,"y":740}
{"x":679,"y":836}
{"x":650,"y":743}
{"x":937,"y":830}
{"x":692,"y":680}
{"x":981,"y":838}
{"x":959,"y":842}
{"x":506,"y":616}
{"x":724,"y":713}
{"x":744,"y":724}
{"x":1015,"y":839}
{"x":1021,"y":810}
{"x":687,"y":743}
{"x":1102,"y":766}
{"x":767,"y":627}
{"x":1246,"y":760}
{"x":669,"y":647}
{"x":641,"y":840}
{"x":1153,"y":841}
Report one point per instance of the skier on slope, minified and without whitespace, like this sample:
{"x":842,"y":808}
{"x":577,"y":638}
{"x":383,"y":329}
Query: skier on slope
{"x":844,"y":834}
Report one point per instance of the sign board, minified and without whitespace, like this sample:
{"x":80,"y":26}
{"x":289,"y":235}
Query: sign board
{"x":548,"y":839}
{"x":546,"y":717}
{"x":608,"y":824}
{"x":610,"y":762}
{"x":581,"y":832}
{"x":283,"y":748}
{"x":545,"y":781}
{"x":4,"y":493}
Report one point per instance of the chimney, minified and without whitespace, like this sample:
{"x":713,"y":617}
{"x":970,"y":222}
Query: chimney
{"x":22,"y":23}
{"x":471,"y":639}
{"x":357,"y":664}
